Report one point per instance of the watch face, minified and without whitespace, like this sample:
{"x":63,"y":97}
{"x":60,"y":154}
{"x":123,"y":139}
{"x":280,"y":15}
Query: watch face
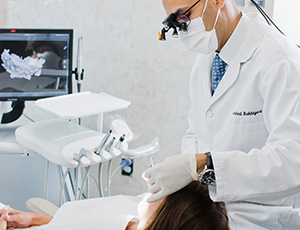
{"x":208,"y":177}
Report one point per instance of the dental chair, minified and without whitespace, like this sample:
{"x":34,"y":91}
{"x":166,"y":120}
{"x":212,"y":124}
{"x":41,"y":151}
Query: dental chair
{"x":41,"y":206}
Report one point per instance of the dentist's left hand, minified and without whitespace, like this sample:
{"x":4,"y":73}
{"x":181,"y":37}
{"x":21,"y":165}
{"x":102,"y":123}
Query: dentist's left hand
{"x":171,"y":175}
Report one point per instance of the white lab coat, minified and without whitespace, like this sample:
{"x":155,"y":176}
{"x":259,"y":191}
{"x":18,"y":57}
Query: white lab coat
{"x":251,"y":126}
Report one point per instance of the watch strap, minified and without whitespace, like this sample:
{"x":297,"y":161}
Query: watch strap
{"x":209,"y":161}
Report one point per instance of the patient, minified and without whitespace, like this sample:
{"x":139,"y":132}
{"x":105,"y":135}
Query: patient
{"x":188,"y":209}
{"x":4,"y":213}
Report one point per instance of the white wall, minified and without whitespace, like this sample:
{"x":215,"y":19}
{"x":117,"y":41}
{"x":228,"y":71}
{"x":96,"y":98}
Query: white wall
{"x":3,"y":13}
{"x":286,"y":15}
{"x":122,"y":57}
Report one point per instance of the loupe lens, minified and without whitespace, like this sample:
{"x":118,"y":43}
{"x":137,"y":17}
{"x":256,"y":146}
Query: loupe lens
{"x":182,"y":18}
{"x":183,"y":27}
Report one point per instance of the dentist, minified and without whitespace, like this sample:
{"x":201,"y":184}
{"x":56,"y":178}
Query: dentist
{"x":243,"y":138}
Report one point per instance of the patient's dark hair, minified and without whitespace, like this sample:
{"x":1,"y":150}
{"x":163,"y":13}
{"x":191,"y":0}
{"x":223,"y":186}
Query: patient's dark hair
{"x":190,"y":209}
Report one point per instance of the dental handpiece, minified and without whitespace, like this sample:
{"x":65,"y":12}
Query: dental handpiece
{"x":110,"y":144}
{"x":103,"y":142}
{"x":82,"y":153}
{"x":121,"y":139}
{"x":151,"y":162}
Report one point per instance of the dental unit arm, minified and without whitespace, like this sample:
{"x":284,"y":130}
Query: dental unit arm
{"x":88,"y":155}
{"x":72,"y":146}
{"x":143,"y":151}
{"x":118,"y":125}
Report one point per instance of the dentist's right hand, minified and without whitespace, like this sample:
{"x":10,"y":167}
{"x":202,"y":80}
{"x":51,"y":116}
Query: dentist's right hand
{"x":171,"y":175}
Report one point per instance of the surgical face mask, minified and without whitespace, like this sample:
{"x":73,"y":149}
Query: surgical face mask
{"x":197,"y":39}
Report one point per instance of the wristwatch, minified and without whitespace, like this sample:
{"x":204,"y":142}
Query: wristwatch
{"x":207,"y":176}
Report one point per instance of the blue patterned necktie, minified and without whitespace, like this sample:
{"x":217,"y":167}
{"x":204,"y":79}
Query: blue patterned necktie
{"x":219,"y":68}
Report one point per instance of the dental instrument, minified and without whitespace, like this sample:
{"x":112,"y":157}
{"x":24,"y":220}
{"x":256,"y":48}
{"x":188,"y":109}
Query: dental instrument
{"x":151,"y":162}
{"x":108,"y":147}
{"x":118,"y":144}
{"x":79,"y":71}
{"x":103,"y":142}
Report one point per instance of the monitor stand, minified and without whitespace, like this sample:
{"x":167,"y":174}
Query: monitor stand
{"x":14,"y":114}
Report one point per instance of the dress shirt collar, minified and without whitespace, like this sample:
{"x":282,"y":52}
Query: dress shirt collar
{"x":234,"y":43}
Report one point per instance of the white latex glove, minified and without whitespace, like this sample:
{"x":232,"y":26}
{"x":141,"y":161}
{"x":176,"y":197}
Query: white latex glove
{"x":171,"y":175}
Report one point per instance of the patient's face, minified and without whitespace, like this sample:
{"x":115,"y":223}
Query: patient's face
{"x":146,"y":211}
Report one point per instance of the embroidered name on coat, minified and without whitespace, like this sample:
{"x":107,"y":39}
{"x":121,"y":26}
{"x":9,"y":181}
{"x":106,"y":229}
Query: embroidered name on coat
{"x":247,"y":113}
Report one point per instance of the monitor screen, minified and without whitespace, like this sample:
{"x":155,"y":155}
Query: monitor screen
{"x":35,"y":63}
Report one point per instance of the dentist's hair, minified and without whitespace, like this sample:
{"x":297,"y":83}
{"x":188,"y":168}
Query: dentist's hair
{"x":190,"y":209}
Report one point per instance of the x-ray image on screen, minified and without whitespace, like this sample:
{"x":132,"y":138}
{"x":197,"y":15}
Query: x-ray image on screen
{"x":35,"y":64}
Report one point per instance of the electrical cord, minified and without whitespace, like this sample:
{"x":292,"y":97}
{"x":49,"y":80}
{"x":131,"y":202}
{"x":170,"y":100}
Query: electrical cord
{"x":62,"y":186}
{"x":30,"y":119}
{"x":95,"y":181}
{"x":261,"y":11}
{"x":267,"y":18}
{"x":108,"y":178}
{"x":83,"y":182}
{"x":100,"y":185}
